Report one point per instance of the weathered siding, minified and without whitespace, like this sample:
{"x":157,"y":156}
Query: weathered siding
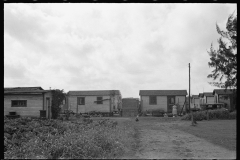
{"x":90,"y":105}
{"x":116,"y":103}
{"x":197,"y":103}
{"x":34,"y":105}
{"x":180,"y":100}
{"x":210,"y":100}
{"x":161,"y":103}
{"x":45,"y":107}
{"x":216,"y":98}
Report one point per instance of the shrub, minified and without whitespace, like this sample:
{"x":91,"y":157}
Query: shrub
{"x":233,"y":115}
{"x":54,"y":139}
{"x":157,"y":112}
{"x":213,"y":114}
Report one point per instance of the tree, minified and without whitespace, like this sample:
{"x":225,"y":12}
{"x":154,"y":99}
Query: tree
{"x":224,"y":59}
{"x":57,"y":98}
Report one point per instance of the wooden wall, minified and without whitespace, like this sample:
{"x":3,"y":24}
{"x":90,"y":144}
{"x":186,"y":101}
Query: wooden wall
{"x":210,"y":99}
{"x":89,"y":104}
{"x":34,"y":105}
{"x":161,"y":103}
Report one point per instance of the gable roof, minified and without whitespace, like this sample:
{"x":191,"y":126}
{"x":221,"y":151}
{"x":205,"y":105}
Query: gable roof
{"x":223,"y":91}
{"x":195,"y":96}
{"x":208,"y":94}
{"x":200,"y":95}
{"x":24,"y":90}
{"x":163,"y":92}
{"x":94,"y":93}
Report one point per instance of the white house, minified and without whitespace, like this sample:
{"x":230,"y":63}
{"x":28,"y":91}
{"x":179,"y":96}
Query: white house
{"x":224,"y":96}
{"x":208,"y":98}
{"x":94,"y":100}
{"x":162,"y":99}
{"x":27,"y":101}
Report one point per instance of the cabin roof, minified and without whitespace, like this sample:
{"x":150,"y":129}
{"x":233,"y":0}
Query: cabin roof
{"x":24,"y":90}
{"x":94,"y":93}
{"x":223,"y":91}
{"x":163,"y":92}
{"x":208,"y":94}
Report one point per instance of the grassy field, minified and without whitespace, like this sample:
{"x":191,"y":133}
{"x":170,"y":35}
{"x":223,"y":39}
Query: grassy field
{"x":219,"y":132}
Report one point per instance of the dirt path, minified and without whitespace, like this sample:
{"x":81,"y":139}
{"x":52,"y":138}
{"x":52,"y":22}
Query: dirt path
{"x":160,"y":140}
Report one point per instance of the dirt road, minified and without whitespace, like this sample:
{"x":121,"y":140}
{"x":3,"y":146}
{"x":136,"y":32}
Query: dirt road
{"x":159,"y":139}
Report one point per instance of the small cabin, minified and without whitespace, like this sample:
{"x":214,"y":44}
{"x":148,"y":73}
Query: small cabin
{"x":162,"y":99}
{"x":27,"y":101}
{"x":107,"y":101}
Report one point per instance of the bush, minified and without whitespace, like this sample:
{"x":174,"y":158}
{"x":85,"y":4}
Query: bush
{"x":213,"y":114}
{"x":233,"y":115}
{"x":52,"y":139}
{"x":157,"y":112}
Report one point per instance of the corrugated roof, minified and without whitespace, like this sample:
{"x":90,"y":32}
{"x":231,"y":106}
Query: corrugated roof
{"x":223,"y":91}
{"x":163,"y":92}
{"x":208,"y":94}
{"x":94,"y":93}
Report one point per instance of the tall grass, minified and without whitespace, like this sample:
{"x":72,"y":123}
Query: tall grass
{"x":54,"y":139}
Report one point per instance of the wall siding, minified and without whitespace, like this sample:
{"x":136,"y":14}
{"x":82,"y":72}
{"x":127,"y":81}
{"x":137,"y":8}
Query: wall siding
{"x":180,"y":100}
{"x":34,"y":105}
{"x":89,"y":104}
{"x":161,"y":103}
{"x":210,"y":99}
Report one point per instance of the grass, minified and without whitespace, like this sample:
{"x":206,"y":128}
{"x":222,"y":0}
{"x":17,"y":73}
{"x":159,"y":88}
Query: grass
{"x":98,"y":138}
{"x":219,"y":132}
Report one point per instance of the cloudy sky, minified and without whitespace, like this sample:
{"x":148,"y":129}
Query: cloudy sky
{"x":129,"y":47}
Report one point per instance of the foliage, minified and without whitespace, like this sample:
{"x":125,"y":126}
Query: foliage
{"x":233,"y":115}
{"x":224,"y":59}
{"x":52,"y":139}
{"x":57,"y":98}
{"x":213,"y":114}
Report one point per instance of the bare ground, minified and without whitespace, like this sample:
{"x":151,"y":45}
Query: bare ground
{"x":159,"y":138}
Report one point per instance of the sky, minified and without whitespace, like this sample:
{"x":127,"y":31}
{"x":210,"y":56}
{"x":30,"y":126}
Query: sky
{"x":107,"y":46}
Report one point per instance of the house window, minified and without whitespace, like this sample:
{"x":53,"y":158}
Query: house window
{"x":99,"y":100}
{"x":19,"y":103}
{"x":152,"y":100}
{"x":81,"y":100}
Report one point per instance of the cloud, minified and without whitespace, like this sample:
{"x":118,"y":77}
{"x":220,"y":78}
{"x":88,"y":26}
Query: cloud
{"x":110,"y":46}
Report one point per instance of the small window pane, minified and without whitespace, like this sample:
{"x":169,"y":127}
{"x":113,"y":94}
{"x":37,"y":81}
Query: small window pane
{"x":19,"y":103}
{"x":81,"y":100}
{"x":152,"y":100}
{"x":99,"y":100}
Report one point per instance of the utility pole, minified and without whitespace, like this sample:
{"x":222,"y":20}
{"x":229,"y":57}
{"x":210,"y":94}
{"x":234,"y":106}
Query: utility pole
{"x":191,"y":111}
{"x":189,"y":89}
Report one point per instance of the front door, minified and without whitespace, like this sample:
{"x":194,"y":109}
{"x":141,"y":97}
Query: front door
{"x":171,"y":103}
{"x":48,"y":107}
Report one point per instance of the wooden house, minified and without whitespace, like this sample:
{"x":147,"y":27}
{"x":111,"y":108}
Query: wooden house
{"x":208,"y":98}
{"x":28,"y":101}
{"x":224,"y":96}
{"x":130,"y":107}
{"x":106,"y":101}
{"x":162,"y":99}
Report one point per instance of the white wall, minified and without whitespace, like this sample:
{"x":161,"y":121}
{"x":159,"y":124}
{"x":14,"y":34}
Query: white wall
{"x":90,"y":105}
{"x":161,"y":103}
{"x":34,"y":105}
